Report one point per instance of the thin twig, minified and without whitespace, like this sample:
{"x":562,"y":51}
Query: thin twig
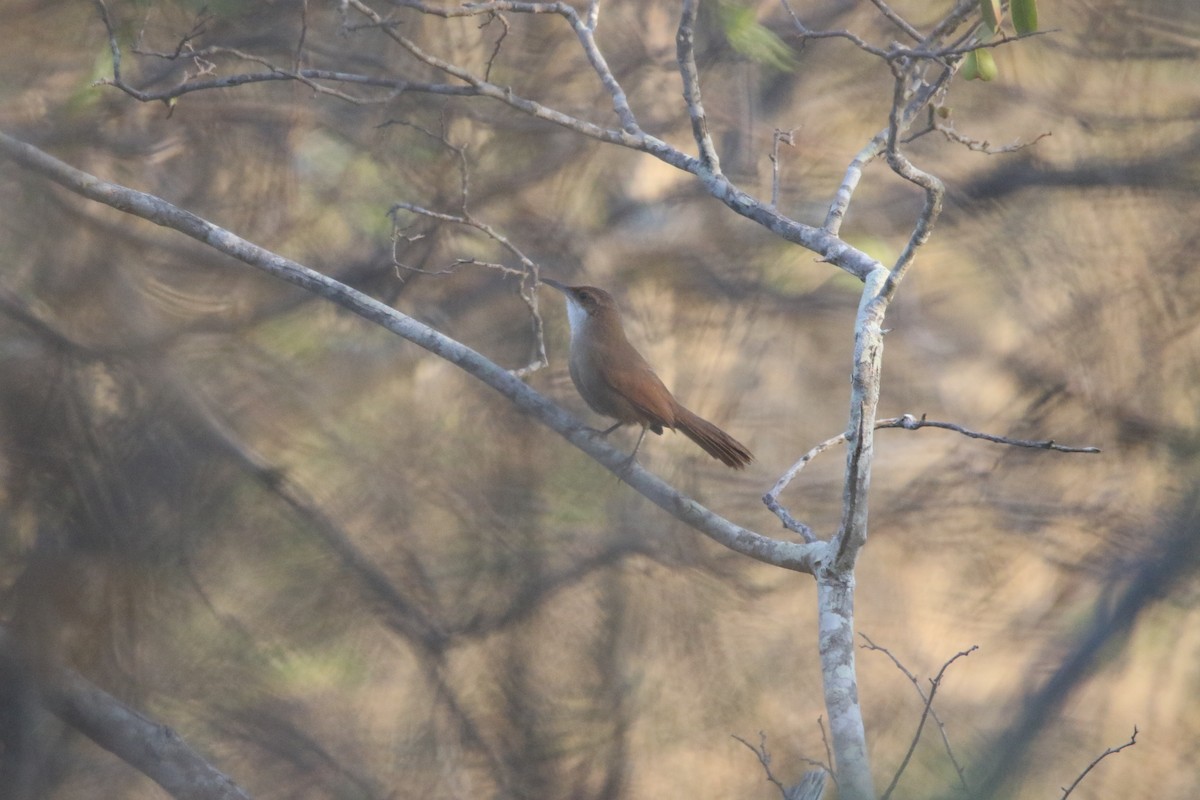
{"x":764,"y":758}
{"x":487,"y":70}
{"x":529,"y":272}
{"x":897,"y":20}
{"x":911,"y":423}
{"x":906,"y":422}
{"x":788,"y":138}
{"x":807,"y":33}
{"x":945,"y":126}
{"x":1110,"y":751}
{"x":299,"y":53}
{"x":629,"y":136}
{"x":962,"y":775}
{"x":828,"y":751}
{"x":810,"y":786}
{"x":935,"y":683}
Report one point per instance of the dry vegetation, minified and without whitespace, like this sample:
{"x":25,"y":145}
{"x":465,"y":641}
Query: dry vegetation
{"x":549,"y":633}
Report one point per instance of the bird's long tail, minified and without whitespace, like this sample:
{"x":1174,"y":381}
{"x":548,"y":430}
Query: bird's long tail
{"x":716,"y":442}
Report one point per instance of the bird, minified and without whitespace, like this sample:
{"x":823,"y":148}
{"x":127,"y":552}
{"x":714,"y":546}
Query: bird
{"x":616,"y":381}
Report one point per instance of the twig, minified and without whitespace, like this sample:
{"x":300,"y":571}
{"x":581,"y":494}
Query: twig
{"x":487,"y":70}
{"x":783,"y":554}
{"x":841,"y":199}
{"x":907,"y":422}
{"x":828,"y":751}
{"x":935,"y":191}
{"x":771,"y":498}
{"x":946,"y":128}
{"x":810,"y":786}
{"x":629,"y":136}
{"x":962,"y":775}
{"x":306,"y":76}
{"x":299,"y":53}
{"x":685,"y":50}
{"x":789,"y":522}
{"x":788,"y":138}
{"x":529,"y":272}
{"x":911,"y":423}
{"x":1110,"y":751}
{"x":807,"y":33}
{"x":897,"y":20}
{"x":764,"y":758}
{"x":935,"y":683}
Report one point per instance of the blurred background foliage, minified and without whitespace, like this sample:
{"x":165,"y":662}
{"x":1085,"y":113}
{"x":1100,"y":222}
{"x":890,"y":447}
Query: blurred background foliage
{"x":340,"y":568}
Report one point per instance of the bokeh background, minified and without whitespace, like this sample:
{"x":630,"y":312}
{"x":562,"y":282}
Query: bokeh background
{"x":339,"y":567}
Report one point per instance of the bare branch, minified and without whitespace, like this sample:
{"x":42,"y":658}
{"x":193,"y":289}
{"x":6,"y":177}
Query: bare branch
{"x":810,"y":786}
{"x":764,"y":758}
{"x":152,"y":748}
{"x":864,"y":403}
{"x":1110,"y":751}
{"x":788,"y":555}
{"x":529,"y":272}
{"x":299,"y":52}
{"x":907,"y":422}
{"x":897,"y":20}
{"x":828,"y":751}
{"x":307,"y":76}
{"x":945,"y":126}
{"x":628,"y":138}
{"x":788,"y":138}
{"x":928,"y":701}
{"x":935,"y":683}
{"x":807,"y":33}
{"x":206,"y":53}
{"x":830,"y":248}
{"x":685,"y":49}
{"x":771,"y":501}
{"x":935,"y":191}
{"x":911,"y":423}
{"x":841,"y":198}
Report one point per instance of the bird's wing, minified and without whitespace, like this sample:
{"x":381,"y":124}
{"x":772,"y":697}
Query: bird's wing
{"x":646,"y":392}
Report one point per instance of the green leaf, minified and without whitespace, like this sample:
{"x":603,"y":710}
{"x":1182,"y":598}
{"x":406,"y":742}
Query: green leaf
{"x":753,"y":40}
{"x":1024,"y":16}
{"x":987,"y":64}
{"x":991,"y":13}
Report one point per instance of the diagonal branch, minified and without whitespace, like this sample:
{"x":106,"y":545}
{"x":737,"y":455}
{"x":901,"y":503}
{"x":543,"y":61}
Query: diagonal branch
{"x":1108,"y":752}
{"x":485,"y":88}
{"x":829,"y":247}
{"x":148,"y":746}
{"x":909,"y":423}
{"x":788,"y":555}
{"x":928,"y":709}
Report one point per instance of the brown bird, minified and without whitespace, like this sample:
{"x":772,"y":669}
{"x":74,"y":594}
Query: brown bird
{"x":614,"y":379}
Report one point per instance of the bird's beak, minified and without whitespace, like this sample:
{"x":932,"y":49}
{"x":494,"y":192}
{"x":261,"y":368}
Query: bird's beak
{"x":562,"y":287}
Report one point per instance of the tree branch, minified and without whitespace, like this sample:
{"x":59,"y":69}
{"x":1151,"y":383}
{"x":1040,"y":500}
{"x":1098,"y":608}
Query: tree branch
{"x":907,"y":422}
{"x":926,"y":712}
{"x":789,"y":555}
{"x":685,"y":51}
{"x":150,"y":747}
{"x":1110,"y":751}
